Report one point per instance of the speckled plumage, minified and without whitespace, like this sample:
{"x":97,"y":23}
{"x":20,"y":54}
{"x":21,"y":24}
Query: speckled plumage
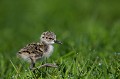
{"x":34,"y":51}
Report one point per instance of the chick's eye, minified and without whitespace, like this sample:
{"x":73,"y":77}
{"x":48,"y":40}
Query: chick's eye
{"x":50,"y":38}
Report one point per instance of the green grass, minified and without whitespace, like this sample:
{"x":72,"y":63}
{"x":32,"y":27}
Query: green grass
{"x":89,"y":31}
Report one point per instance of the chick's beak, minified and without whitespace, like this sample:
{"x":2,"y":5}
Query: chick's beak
{"x":58,"y":42}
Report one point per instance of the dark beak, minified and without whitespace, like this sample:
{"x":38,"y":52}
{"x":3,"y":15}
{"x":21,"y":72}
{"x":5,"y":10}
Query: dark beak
{"x":58,"y":42}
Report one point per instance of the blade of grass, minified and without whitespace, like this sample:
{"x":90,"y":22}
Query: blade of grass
{"x":14,"y":66}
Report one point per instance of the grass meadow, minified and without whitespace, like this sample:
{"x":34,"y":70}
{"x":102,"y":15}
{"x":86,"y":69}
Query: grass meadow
{"x":89,"y":30}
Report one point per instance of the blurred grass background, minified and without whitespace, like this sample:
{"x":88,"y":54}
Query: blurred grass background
{"x":87,"y":27}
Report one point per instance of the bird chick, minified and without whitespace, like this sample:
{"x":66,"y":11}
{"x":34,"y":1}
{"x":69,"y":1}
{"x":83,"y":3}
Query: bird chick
{"x":40,"y":50}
